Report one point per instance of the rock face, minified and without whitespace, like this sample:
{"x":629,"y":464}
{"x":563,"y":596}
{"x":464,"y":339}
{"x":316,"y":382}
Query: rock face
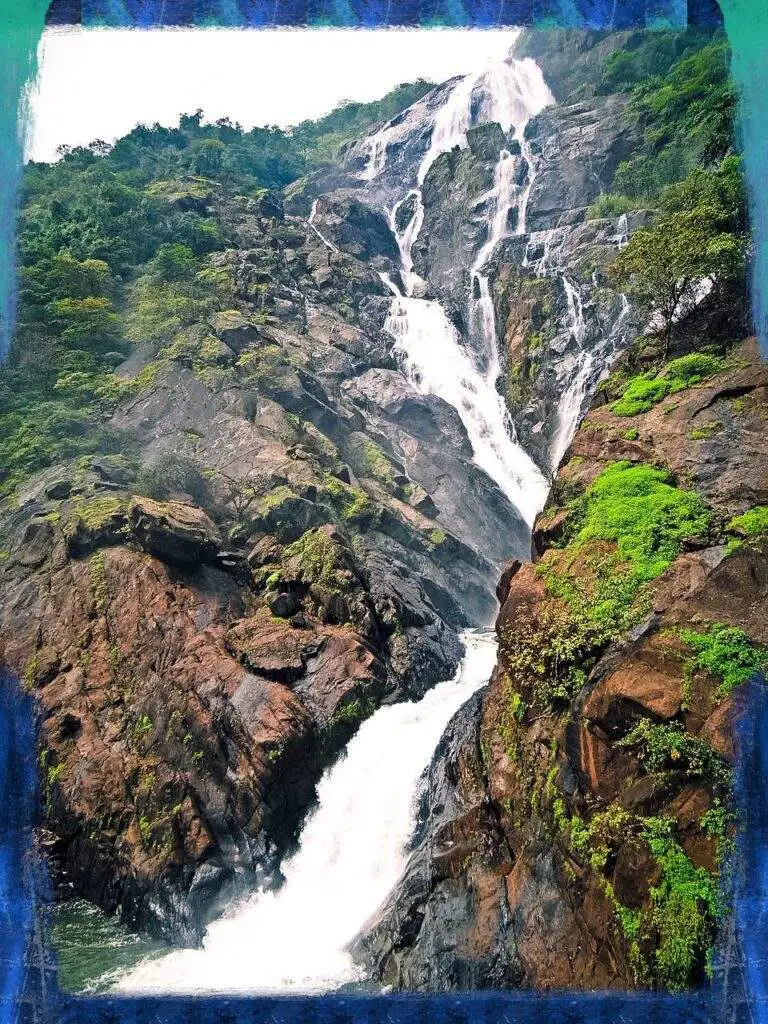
{"x":294,"y":538}
{"x":555,"y":813}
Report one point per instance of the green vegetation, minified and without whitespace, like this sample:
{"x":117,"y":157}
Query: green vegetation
{"x":115,"y":251}
{"x":686,"y":114}
{"x":670,"y":936}
{"x":752,"y":523}
{"x":350,"y":502}
{"x":685,"y":907}
{"x":621,"y":534}
{"x":639,"y":508}
{"x":648,"y":389}
{"x":727,"y":653}
{"x":700,"y":232}
{"x":662,"y":747}
{"x":320,"y":560}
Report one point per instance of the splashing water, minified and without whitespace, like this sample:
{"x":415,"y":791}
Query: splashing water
{"x":353,"y":850}
{"x":430,"y":348}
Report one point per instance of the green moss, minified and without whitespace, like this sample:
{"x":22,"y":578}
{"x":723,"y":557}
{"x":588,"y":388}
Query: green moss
{"x":94,"y":514}
{"x":727,"y":653}
{"x":648,"y":389}
{"x":639,"y":508}
{"x":145,"y":829}
{"x":377,"y":464}
{"x":353,"y":712}
{"x":598,"y":591}
{"x":437,"y":537}
{"x":98,"y":582}
{"x":708,"y":430}
{"x":350,"y":502}
{"x":320,"y":560}
{"x":631,"y":434}
{"x":752,"y":523}
{"x":590,"y":608}
{"x":275,"y":498}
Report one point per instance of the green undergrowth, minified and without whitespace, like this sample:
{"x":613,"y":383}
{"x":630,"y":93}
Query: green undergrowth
{"x":727,"y":653}
{"x":648,"y":389}
{"x":623,"y":532}
{"x":666,"y":746}
{"x":640,"y":509}
{"x":670,"y":936}
{"x":751,"y":525}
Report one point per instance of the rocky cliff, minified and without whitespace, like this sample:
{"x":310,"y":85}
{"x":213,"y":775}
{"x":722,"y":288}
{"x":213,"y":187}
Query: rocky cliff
{"x":199,"y":656}
{"x":575,"y":817}
{"x":270,"y":475}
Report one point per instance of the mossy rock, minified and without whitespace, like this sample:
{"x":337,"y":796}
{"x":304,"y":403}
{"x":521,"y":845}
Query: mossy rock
{"x":95,"y":523}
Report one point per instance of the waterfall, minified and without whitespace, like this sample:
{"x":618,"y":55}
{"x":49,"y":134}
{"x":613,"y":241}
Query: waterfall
{"x":311,"y":222}
{"x":430,"y":349}
{"x":572,"y":399}
{"x":352,"y":852}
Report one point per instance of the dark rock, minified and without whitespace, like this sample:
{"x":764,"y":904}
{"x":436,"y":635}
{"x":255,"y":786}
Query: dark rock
{"x":182,"y":534}
{"x":284,"y":605}
{"x":59,"y":489}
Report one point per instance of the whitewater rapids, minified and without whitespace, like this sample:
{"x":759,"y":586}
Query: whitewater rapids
{"x":352,"y":852}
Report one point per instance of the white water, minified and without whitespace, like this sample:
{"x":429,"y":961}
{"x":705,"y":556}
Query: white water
{"x":431,"y":351}
{"x":352,"y":853}
{"x":311,"y":221}
{"x":434,"y":358}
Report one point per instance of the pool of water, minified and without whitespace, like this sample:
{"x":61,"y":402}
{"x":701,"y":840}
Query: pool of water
{"x":93,"y":948}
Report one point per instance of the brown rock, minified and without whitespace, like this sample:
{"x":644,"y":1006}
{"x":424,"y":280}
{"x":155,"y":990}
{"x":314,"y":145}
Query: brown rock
{"x":271,"y":646}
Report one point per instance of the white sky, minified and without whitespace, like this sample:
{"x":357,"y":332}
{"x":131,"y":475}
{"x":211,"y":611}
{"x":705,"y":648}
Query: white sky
{"x":100,"y":83}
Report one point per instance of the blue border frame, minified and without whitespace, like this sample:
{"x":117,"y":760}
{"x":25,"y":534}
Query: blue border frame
{"x":28,"y":984}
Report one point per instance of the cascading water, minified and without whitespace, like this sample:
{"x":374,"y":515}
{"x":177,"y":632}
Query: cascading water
{"x":353,"y":851}
{"x":588,"y":362}
{"x":430,"y":348}
{"x":311,"y":221}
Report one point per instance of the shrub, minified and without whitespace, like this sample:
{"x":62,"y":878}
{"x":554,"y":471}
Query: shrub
{"x":727,"y":653}
{"x":610,"y":204}
{"x":170,"y":474}
{"x":661,"y":747}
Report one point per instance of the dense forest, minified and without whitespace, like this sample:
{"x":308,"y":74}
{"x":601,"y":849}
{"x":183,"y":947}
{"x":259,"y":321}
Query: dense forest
{"x":114,"y":250}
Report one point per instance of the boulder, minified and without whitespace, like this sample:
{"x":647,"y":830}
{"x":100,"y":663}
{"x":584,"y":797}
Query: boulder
{"x":174,"y":532}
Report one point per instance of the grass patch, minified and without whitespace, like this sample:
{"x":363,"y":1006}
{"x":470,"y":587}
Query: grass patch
{"x":648,"y":389}
{"x":727,"y":653}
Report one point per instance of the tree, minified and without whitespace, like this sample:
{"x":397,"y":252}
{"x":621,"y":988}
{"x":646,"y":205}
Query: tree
{"x":699,"y":234}
{"x":90,"y":322}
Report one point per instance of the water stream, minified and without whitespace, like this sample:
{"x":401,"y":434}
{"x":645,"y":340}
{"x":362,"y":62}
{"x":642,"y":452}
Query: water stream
{"x":353,"y":851}
{"x":432,"y":353}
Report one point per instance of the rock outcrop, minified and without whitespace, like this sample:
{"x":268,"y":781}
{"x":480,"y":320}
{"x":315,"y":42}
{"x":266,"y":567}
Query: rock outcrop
{"x":575,"y":814}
